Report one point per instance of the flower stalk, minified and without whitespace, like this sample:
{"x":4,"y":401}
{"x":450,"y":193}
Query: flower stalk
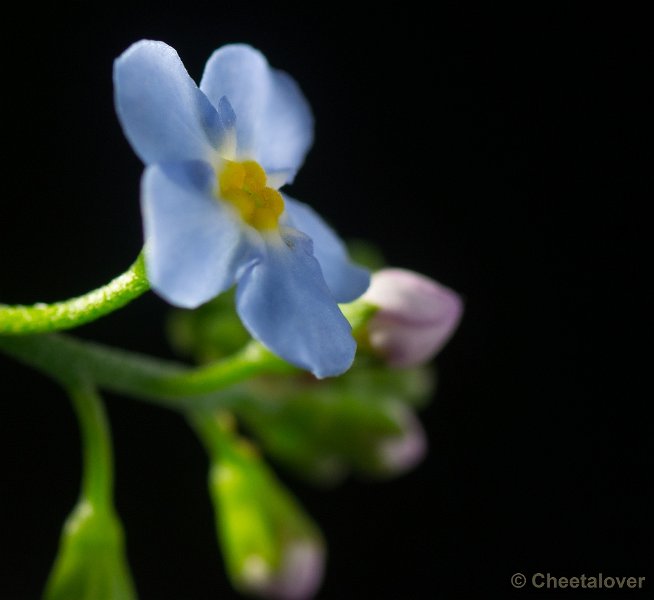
{"x":45,"y":318}
{"x":167,"y":383}
{"x":98,"y":469}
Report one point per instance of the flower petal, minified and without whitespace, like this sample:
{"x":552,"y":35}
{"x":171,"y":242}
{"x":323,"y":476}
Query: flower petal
{"x":286,"y":304}
{"x":163,"y":113}
{"x":274,"y":122}
{"x":346,"y":280}
{"x":194,"y":244}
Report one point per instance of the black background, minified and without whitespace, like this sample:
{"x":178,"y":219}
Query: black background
{"x":500,"y":153}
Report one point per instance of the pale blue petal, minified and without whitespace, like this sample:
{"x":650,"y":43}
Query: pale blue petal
{"x":163,"y":113}
{"x":346,"y":280}
{"x":286,"y":304}
{"x":194,"y":245}
{"x":274,"y":123}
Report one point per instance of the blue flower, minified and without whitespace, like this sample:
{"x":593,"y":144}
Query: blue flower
{"x":213,"y":216}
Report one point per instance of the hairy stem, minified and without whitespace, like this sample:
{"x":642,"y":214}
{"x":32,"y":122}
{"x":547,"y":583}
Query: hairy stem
{"x":43,"y":318}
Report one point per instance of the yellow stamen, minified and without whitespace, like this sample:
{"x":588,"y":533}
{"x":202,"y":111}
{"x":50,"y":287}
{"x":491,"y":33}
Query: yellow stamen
{"x":243,"y":185}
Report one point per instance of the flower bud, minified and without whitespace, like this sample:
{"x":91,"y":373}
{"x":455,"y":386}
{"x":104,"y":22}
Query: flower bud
{"x":416,"y":316}
{"x":91,"y":564}
{"x":272,"y":548}
{"x":362,"y":423}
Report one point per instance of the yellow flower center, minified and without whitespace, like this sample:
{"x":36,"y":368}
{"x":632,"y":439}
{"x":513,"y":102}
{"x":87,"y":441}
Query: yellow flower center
{"x":243,"y":185}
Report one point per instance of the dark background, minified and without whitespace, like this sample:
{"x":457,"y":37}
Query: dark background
{"x":500,"y":153}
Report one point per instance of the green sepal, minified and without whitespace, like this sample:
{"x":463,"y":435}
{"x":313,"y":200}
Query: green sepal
{"x":358,"y":313}
{"x":91,"y":562}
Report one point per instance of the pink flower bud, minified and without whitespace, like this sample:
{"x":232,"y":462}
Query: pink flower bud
{"x":416,"y":316}
{"x":298,"y":577}
{"x":401,"y":453}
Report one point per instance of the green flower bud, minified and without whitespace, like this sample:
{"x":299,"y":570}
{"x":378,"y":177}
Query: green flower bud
{"x":91,"y":563}
{"x":360,"y":422}
{"x":272,"y":548}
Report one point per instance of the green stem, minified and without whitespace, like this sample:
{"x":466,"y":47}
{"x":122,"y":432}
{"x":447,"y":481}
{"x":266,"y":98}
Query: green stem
{"x":98,"y":472}
{"x":176,"y":386}
{"x":214,"y":429}
{"x":43,"y":318}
